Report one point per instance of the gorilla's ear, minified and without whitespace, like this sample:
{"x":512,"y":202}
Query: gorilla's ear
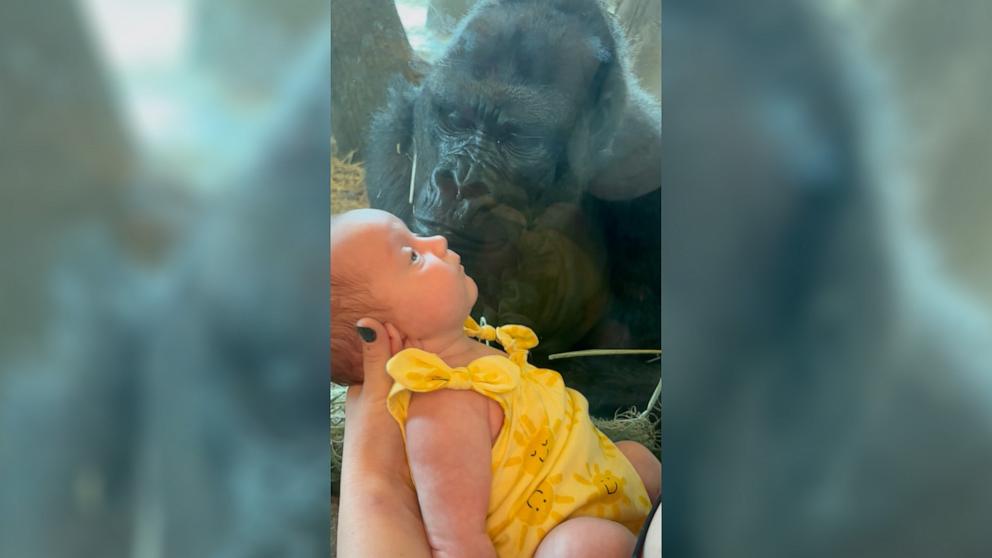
{"x":609,"y":95}
{"x":601,"y":111}
{"x":615,"y":147}
{"x":630,"y":166}
{"x":619,"y":136}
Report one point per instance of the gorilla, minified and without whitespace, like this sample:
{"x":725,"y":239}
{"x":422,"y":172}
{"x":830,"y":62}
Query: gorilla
{"x":533,"y":150}
{"x":827,"y":392}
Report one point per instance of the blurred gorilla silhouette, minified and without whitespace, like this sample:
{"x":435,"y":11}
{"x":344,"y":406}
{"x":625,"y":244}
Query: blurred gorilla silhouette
{"x":187,"y":416}
{"x":827,"y":393}
{"x":537,"y":155}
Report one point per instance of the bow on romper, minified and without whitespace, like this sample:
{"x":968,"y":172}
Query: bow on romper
{"x":549,"y":462}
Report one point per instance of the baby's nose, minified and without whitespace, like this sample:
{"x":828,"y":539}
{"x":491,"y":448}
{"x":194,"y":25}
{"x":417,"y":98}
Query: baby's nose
{"x":438,"y":244}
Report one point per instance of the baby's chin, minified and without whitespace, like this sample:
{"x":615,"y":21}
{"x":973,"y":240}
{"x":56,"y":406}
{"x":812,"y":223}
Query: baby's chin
{"x":473,"y":292}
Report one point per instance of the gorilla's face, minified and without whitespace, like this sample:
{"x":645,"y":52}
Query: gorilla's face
{"x":494,"y":121}
{"x":488,"y":168}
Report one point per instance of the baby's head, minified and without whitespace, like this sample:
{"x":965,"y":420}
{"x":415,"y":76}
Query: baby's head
{"x":380,"y":270}
{"x":351,"y":300}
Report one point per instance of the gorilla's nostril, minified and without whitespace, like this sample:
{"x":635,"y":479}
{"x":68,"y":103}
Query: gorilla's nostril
{"x":449,"y":186}
{"x":444,"y":181}
{"x":472,"y":190}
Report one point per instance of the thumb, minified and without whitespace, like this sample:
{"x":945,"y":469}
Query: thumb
{"x":375,"y":353}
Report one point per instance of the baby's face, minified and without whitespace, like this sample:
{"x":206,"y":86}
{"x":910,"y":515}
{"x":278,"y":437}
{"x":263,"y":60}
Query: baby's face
{"x":419,"y":280}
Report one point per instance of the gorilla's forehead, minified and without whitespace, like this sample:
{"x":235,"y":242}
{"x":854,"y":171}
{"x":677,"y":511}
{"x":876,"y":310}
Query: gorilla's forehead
{"x":531,"y":44}
{"x":534,"y":105}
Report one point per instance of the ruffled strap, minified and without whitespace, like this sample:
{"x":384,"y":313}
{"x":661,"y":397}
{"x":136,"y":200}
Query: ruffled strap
{"x":421,"y":371}
{"x":513,"y":338}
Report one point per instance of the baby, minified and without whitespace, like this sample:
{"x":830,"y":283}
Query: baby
{"x":505,"y":459}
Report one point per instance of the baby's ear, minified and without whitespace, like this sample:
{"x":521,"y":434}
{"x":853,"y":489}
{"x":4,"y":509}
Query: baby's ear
{"x":397,"y":340}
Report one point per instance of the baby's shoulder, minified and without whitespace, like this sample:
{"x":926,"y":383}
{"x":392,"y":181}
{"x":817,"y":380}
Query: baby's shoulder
{"x":450,"y":410}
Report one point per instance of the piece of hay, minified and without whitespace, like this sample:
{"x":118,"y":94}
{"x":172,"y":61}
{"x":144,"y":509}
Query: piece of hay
{"x":347,"y":183}
{"x":633,"y":425}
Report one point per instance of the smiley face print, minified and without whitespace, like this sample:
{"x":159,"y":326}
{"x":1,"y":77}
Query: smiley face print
{"x":609,"y":488}
{"x":536,"y":508}
{"x":537,"y":445}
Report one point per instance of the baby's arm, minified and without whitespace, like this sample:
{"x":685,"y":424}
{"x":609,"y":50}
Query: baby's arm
{"x":449,"y":450}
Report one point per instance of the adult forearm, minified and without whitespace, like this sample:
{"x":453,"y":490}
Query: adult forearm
{"x":378,"y":513}
{"x":380,"y":517}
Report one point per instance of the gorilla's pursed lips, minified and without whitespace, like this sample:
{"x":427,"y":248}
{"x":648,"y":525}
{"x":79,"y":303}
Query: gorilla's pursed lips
{"x":486,"y":233}
{"x":459,"y":239}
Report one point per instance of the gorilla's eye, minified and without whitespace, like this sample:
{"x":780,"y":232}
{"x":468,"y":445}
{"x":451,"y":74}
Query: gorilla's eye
{"x":523,"y":140}
{"x":456,"y":120}
{"x":504,"y":134}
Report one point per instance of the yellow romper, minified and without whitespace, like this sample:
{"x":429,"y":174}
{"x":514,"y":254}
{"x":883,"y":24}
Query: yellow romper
{"x":549,"y":461}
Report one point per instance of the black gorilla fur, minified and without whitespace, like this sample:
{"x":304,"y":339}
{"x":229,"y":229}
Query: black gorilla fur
{"x":538,"y":157}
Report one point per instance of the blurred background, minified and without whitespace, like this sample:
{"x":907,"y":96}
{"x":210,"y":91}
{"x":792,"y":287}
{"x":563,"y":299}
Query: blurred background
{"x":149,"y":105}
{"x":936,"y":64}
{"x":825,"y":315}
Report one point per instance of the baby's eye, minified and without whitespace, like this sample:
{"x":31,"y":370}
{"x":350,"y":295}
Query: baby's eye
{"x":414,"y":256}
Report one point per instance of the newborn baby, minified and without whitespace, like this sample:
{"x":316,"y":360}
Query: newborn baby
{"x":505,"y":459}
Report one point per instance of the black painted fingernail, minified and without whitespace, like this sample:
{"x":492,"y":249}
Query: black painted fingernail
{"x":367,"y":334}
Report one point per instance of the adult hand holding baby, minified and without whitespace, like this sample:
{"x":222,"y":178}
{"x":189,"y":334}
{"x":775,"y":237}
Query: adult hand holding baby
{"x":379,"y":514}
